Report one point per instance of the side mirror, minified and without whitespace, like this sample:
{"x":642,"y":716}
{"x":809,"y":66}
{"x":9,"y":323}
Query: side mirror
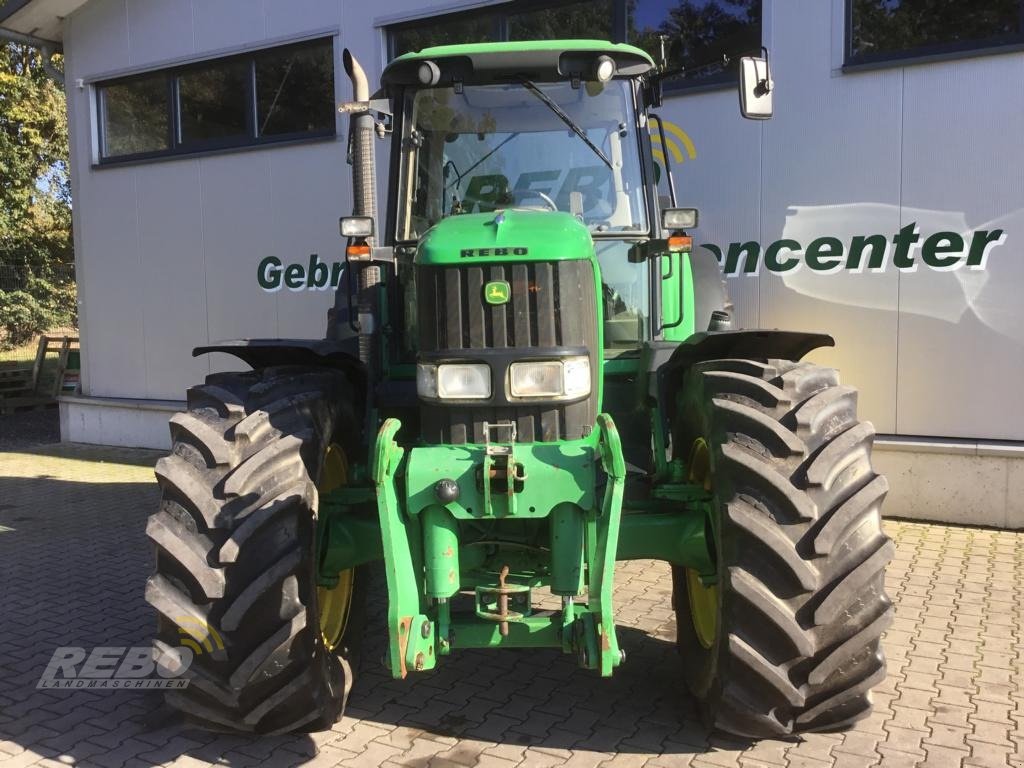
{"x":755,"y":88}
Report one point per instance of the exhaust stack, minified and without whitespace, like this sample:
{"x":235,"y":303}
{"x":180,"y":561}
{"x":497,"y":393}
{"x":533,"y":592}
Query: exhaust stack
{"x":364,"y":177}
{"x":364,"y":203}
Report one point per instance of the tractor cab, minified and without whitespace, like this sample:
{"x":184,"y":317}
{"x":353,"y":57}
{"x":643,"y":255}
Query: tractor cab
{"x":503,"y":132}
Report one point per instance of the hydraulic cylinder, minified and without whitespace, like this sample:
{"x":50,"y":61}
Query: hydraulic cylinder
{"x":440,"y":552}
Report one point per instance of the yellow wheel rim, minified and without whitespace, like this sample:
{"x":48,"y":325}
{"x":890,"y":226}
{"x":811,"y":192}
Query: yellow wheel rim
{"x":703,"y":599}
{"x":335,"y":602}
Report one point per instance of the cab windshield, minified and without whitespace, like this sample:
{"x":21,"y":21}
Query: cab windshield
{"x":502,"y":146}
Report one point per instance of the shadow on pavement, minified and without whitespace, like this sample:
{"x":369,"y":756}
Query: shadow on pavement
{"x":73,"y":563}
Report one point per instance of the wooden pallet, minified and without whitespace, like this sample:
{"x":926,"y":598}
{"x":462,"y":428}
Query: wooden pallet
{"x":68,"y":362}
{"x":10,"y":405}
{"x":20,"y":388}
{"x":14,"y":381}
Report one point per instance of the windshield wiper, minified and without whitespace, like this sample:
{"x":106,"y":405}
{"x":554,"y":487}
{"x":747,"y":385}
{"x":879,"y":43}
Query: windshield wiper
{"x":460,"y":176}
{"x":532,"y":88}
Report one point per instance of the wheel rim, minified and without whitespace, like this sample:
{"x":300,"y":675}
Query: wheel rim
{"x":335,"y":602}
{"x":703,"y":599}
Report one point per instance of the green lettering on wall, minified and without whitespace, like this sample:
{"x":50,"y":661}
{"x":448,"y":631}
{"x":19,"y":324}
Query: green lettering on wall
{"x":771,"y":256}
{"x":879,"y":245}
{"x":317,"y":274}
{"x":715,"y":250}
{"x":752,"y":250}
{"x":268,"y":273}
{"x":825,"y":254}
{"x":939,"y":243}
{"x":908,"y":236}
{"x":981,"y":244}
{"x":294,"y":275}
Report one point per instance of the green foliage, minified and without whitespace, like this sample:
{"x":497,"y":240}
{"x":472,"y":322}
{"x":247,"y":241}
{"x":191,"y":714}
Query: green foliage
{"x":40,"y":307}
{"x":58,"y":300}
{"x":35,"y":199}
{"x":591,"y":19}
{"x":882,"y":26}
{"x":699,"y":34}
{"x":21,"y":318}
{"x":35,"y":193}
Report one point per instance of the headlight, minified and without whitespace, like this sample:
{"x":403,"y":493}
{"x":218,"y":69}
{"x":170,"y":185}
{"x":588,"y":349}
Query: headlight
{"x":577,"y":376}
{"x":551,"y":378}
{"x":454,"y":381}
{"x":356,"y":226}
{"x":426,"y":381}
{"x":537,"y":379}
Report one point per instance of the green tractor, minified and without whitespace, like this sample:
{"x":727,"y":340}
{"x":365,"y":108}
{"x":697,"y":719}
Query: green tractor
{"x":528,"y":375}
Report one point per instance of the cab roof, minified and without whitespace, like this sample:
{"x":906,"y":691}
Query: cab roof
{"x":536,"y":59}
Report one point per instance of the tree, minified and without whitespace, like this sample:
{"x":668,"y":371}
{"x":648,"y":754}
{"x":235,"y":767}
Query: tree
{"x":884,"y":26}
{"x":35,"y":199}
{"x":35,"y":193}
{"x":699,"y":33}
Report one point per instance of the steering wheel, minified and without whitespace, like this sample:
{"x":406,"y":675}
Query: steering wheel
{"x":527,"y":194}
{"x":548,"y":200}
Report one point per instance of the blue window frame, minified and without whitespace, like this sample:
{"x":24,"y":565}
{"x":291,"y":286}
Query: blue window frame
{"x":879,"y":32}
{"x":261,"y":97}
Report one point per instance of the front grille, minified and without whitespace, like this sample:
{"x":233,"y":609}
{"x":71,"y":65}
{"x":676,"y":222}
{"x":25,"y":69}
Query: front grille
{"x":552,"y":304}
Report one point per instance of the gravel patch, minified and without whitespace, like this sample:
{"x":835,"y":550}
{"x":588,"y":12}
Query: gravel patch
{"x":23,"y":429}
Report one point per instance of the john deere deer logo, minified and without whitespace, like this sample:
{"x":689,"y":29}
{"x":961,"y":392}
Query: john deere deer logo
{"x":497,"y":292}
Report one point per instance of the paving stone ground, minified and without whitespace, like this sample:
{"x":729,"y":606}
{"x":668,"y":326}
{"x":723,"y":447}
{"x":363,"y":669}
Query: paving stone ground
{"x":73,"y":560}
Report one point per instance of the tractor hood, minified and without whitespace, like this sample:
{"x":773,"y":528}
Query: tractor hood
{"x":505,"y":235}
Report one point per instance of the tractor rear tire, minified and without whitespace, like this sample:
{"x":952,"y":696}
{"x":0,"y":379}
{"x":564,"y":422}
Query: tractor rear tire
{"x":235,"y":535}
{"x":799,"y":606}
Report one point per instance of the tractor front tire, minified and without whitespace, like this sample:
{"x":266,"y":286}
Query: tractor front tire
{"x":235,"y":579}
{"x":787,"y":640}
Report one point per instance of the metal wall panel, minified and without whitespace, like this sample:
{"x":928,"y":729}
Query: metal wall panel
{"x":962,"y":332}
{"x":306,"y":200}
{"x":831,"y":167}
{"x":111,"y":287}
{"x":722,"y":178}
{"x":299,"y":17}
{"x":846,"y":154}
{"x":237,"y":223}
{"x":221,"y":24}
{"x":96,"y":39}
{"x":173,"y":276}
{"x":159,"y":30}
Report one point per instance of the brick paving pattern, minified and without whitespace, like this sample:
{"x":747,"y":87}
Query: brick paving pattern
{"x":73,"y":560}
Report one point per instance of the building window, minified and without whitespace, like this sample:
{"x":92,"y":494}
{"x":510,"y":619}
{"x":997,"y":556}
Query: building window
{"x":443,"y":30}
{"x":890,"y":30}
{"x":706,"y":36}
{"x":295,"y":90}
{"x":136,"y":116}
{"x":250,"y":99}
{"x":582,"y":20}
{"x":213,"y":102}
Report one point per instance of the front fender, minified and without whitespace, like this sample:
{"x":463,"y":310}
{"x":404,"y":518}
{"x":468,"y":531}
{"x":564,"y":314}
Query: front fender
{"x":265,"y":353}
{"x":741,"y":344}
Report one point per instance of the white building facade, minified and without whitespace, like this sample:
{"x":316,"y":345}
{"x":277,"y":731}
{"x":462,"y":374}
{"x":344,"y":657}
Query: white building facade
{"x":198,"y":152}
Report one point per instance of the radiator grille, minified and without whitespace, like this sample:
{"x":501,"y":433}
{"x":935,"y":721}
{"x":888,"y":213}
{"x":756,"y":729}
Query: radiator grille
{"x":552,"y":304}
